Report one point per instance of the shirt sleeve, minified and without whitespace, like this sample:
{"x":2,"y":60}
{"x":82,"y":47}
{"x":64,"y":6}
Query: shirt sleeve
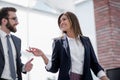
{"x":100,"y":74}
{"x":23,"y":68}
{"x":48,"y":66}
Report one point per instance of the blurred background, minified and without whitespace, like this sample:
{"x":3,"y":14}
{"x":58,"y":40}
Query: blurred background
{"x":38,"y":26}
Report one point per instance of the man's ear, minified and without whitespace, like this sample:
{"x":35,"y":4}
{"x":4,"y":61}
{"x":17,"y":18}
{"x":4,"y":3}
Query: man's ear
{"x":4,"y":20}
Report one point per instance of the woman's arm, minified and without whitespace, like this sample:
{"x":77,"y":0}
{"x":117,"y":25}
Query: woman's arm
{"x":38,"y":52}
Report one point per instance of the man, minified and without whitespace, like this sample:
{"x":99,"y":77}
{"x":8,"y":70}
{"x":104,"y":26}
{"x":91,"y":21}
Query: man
{"x":8,"y":22}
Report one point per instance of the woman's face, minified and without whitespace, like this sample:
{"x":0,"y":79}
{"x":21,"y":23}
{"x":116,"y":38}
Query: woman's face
{"x":64,"y":24}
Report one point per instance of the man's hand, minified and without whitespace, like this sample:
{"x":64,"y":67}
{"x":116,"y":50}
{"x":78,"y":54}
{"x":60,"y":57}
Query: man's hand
{"x":29,"y":65}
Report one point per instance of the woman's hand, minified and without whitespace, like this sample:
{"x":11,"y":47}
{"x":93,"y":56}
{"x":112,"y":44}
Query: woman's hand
{"x":38,"y":52}
{"x":35,"y":51}
{"x":104,"y":78}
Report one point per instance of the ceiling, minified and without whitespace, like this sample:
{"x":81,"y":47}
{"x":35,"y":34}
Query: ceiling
{"x":54,"y":6}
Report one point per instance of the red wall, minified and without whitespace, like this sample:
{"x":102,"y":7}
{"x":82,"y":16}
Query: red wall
{"x":107,"y":21}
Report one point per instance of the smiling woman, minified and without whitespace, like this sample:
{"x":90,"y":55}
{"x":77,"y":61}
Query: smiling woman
{"x":81,"y":58}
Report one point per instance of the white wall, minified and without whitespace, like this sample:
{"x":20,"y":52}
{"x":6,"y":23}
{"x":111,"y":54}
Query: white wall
{"x":37,"y":30}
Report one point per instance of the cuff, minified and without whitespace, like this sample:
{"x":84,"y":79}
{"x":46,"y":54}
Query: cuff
{"x":23,"y":69}
{"x":48,"y":66}
{"x":101,"y":74}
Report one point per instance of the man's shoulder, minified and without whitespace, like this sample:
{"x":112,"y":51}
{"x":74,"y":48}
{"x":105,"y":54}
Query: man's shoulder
{"x":15,"y":37}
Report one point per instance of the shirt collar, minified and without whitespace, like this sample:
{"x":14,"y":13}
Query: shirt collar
{"x":73,"y":38}
{"x":3,"y":34}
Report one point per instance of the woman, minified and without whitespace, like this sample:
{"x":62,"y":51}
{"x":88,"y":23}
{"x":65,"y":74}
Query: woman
{"x":73,"y":55}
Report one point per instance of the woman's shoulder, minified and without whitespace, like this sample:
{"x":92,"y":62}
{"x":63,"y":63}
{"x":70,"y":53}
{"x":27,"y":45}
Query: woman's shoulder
{"x":85,"y":37}
{"x":58,"y":38}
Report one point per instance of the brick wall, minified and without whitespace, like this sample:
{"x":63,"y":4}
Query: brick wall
{"x":107,"y":20}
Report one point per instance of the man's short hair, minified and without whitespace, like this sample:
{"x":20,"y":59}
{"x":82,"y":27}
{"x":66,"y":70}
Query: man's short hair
{"x":4,"y":12}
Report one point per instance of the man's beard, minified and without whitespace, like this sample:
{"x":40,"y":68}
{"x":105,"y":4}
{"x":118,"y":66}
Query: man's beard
{"x":10,"y":27}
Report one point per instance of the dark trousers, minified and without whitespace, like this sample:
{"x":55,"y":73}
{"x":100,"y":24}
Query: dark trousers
{"x":2,"y":79}
{"x":74,"y":76}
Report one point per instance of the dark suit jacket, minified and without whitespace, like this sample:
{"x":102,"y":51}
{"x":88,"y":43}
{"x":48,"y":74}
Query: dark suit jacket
{"x":61,"y":59}
{"x":17,"y":43}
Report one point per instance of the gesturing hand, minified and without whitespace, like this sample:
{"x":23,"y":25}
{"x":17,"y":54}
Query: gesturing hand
{"x":38,"y":52}
{"x":29,"y":65}
{"x":35,"y":51}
